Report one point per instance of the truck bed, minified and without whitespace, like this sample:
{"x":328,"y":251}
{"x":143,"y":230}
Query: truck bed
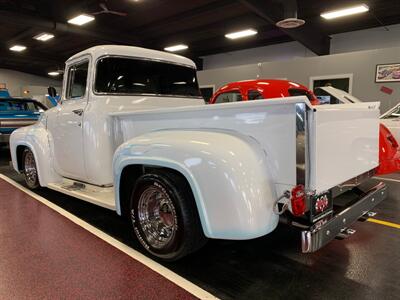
{"x":332,"y":145}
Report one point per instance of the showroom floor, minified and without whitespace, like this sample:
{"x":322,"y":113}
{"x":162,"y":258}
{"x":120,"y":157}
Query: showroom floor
{"x":364,"y":266}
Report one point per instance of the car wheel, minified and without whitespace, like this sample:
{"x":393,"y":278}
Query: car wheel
{"x":164,"y":216}
{"x":30,"y":169}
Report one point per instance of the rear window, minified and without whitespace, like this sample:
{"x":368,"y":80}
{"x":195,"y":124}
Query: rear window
{"x":126,"y":76}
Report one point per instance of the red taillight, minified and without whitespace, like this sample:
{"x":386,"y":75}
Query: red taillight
{"x":298,"y":201}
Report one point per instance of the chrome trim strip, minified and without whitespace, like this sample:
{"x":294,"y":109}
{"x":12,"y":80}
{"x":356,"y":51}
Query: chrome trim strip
{"x":15,"y":124}
{"x":302,"y":163}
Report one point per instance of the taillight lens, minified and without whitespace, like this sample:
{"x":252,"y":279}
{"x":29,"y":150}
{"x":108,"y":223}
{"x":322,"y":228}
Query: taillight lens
{"x":298,"y":201}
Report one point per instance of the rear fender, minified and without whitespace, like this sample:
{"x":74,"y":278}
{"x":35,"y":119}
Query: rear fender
{"x":227,"y":172}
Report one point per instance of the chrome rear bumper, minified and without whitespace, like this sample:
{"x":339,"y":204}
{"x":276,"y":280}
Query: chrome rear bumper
{"x":322,"y":233}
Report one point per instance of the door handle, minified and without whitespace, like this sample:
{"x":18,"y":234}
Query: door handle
{"x":78,"y":112}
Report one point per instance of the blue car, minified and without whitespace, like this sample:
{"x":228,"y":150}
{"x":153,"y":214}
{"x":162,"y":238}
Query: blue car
{"x":16,"y":113}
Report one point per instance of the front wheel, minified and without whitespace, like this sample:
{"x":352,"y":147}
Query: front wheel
{"x":30,"y":169}
{"x":164,"y":216}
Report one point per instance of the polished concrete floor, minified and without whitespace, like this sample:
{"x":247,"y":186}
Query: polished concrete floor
{"x":364,"y":266}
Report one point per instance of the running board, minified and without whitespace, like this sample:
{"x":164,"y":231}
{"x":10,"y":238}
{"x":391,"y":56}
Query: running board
{"x":101,"y":196}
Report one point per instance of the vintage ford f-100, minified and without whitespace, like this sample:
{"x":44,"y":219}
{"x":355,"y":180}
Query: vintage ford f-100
{"x":132,"y":134}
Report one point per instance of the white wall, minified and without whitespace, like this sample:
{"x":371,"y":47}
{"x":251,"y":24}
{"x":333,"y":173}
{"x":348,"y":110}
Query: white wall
{"x":282,"y":51}
{"x":361,"y":64}
{"x":16,"y":81}
{"x":374,"y":38}
{"x":369,"y":39}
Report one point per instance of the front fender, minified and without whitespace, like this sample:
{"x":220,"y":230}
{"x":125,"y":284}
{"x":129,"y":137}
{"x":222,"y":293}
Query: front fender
{"x":227,"y":172}
{"x":34,"y":137}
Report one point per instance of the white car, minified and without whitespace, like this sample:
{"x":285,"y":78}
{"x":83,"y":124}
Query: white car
{"x":132,"y":134}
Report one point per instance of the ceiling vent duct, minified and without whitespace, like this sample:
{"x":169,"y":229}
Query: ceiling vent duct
{"x":290,"y":19}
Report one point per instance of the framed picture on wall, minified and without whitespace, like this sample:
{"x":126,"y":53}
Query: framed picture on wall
{"x":387,"y":73}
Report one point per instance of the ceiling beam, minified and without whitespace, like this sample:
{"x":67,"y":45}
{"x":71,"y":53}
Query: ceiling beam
{"x":309,"y":36}
{"x":42,"y":23}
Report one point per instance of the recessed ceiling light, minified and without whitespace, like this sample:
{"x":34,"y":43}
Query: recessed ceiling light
{"x":345,"y":12}
{"x":44,"y":37}
{"x":81,"y":19}
{"x":17,"y":48}
{"x":54,"y":73}
{"x":241,"y":34}
{"x":176,"y":48}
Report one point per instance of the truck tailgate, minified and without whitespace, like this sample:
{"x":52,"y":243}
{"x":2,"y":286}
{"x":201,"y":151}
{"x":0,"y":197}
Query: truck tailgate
{"x":343,"y":143}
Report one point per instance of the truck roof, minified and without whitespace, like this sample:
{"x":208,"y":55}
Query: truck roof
{"x":131,"y":51}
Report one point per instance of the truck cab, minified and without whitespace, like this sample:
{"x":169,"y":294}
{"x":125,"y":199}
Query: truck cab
{"x":97,"y":83}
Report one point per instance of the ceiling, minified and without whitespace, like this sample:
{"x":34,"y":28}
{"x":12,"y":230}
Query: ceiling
{"x":201,"y":24}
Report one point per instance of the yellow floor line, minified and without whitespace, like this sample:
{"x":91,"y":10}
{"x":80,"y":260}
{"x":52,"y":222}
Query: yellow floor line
{"x":390,"y":224}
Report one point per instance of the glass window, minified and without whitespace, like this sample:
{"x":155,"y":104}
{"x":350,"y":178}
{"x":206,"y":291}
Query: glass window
{"x":77,"y":80}
{"x":233,"y":96}
{"x":254,"y":95}
{"x":21,"y":105}
{"x":300,"y":92}
{"x":394,"y":114}
{"x":117,"y":75}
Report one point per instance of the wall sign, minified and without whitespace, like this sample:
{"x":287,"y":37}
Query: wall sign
{"x":386,"y":90}
{"x":387,"y":73}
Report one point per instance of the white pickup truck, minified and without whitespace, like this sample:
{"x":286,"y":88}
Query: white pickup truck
{"x":132,"y":134}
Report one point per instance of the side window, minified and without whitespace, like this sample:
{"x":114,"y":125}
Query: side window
{"x":254,"y":95}
{"x":233,"y":96}
{"x":31,"y":106}
{"x":77,"y":80}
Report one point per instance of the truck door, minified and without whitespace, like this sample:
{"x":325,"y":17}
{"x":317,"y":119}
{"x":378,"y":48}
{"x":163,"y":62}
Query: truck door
{"x":67,"y":124}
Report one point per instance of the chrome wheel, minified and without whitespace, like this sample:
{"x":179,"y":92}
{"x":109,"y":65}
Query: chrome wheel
{"x":157,"y":216}
{"x":30,"y":170}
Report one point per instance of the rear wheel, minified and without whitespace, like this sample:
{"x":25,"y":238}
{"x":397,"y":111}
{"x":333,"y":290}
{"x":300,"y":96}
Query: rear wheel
{"x":164,"y":216}
{"x":30,"y":169}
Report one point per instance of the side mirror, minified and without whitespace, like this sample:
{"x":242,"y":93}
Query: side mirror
{"x":53,"y":97}
{"x":51,"y":90}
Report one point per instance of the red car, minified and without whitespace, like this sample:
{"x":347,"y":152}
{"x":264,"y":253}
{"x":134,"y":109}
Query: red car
{"x":261,"y":89}
{"x":389,"y":154}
